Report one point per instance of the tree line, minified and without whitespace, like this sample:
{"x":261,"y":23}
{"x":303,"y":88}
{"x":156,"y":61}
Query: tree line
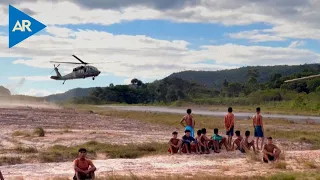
{"x":172,"y":89}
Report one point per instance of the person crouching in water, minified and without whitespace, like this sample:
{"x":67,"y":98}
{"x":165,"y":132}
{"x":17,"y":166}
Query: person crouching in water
{"x":81,"y":166}
{"x":188,"y":118}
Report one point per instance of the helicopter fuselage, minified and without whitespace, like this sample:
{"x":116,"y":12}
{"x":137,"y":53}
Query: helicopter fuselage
{"x":79,"y":72}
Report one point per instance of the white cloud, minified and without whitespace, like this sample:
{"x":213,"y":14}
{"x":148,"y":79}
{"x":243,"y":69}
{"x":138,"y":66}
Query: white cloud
{"x":31,"y":78}
{"x":59,"y":31}
{"x":289,"y":18}
{"x":141,"y":56}
{"x":295,"y":44}
{"x":256,"y":36}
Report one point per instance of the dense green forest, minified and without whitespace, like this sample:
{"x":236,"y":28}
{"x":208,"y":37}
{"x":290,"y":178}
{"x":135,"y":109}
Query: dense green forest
{"x":216,"y":78}
{"x":173,"y":89}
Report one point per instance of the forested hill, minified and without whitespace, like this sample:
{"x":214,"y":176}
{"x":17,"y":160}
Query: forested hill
{"x":240,"y":75}
{"x":73,"y":93}
{"x":194,"y":86}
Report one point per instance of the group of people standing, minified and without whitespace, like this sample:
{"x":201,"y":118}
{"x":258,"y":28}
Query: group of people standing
{"x":202,"y":144}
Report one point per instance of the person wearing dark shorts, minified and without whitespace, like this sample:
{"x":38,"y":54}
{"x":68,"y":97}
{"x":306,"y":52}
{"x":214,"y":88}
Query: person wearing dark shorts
{"x":188,"y":141}
{"x":229,"y":125}
{"x":237,"y":141}
{"x":83,"y":167}
{"x":270,"y":151}
{"x":245,"y":145}
{"x":258,"y":128}
{"x":219,"y":139}
{"x":270,"y":158}
{"x":230,"y":132}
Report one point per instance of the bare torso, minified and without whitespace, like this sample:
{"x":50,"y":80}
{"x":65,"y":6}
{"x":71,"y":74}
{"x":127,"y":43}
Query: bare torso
{"x":257,"y":120}
{"x":238,"y":141}
{"x":189,"y":120}
{"x":270,"y":148}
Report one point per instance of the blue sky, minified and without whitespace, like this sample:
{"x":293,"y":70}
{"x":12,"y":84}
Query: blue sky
{"x":147,"y":42}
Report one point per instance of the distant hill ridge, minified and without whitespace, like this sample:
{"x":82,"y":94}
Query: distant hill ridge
{"x":77,"y":92}
{"x":240,"y":75}
{"x":209,"y":78}
{"x":4,"y":91}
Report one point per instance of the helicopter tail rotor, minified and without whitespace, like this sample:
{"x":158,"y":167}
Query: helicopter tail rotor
{"x":54,"y":68}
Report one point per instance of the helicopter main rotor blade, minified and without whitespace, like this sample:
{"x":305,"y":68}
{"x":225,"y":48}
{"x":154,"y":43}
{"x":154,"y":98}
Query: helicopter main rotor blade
{"x":79,"y":59}
{"x":302,"y":78}
{"x":64,"y":62}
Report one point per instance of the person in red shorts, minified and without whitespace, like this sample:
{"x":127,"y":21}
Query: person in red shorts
{"x":81,"y":166}
{"x":175,"y":144}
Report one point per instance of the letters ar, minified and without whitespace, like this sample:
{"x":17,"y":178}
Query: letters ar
{"x":25,"y":25}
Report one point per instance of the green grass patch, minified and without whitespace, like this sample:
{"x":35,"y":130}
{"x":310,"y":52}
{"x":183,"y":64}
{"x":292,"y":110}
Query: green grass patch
{"x":311,"y":137}
{"x":4,"y":160}
{"x":310,"y":164}
{"x":21,"y":149}
{"x":21,"y":133}
{"x":277,"y":128}
{"x":60,"y":153}
{"x":207,"y":176}
{"x":39,"y":131}
{"x":280,"y":165}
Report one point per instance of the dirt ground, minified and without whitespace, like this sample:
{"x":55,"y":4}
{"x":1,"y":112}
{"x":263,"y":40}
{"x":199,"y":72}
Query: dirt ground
{"x":69,"y":127}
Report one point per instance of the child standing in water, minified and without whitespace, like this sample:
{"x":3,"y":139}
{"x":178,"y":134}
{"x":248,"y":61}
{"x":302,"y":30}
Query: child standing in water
{"x":258,"y":128}
{"x":188,"y":118}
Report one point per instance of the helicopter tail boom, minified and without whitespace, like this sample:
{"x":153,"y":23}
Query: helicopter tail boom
{"x":58,"y":76}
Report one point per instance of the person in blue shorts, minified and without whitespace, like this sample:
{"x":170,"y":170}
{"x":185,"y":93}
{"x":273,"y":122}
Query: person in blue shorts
{"x":258,"y":128}
{"x":190,"y":122}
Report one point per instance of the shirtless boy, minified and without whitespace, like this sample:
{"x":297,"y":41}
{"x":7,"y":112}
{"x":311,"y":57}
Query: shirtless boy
{"x":204,"y":141}
{"x":270,"y":152}
{"x":229,"y":125}
{"x":258,"y":128}
{"x":174,"y":144}
{"x":81,"y":166}
{"x":237,"y":141}
{"x":198,"y":139}
{"x":188,"y":118}
{"x":245,"y":145}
